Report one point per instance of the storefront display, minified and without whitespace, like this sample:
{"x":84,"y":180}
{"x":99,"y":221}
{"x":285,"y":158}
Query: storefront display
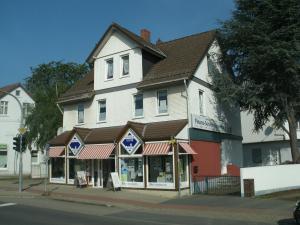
{"x":161,"y":169}
{"x":58,"y":168}
{"x":131,"y":169}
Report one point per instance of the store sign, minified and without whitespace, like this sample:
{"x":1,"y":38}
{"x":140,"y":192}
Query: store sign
{"x":205,"y":123}
{"x":3,"y":146}
{"x":130,"y":142}
{"x":75,"y":145}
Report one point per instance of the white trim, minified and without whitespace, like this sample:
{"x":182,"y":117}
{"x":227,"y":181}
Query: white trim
{"x":106,"y":69}
{"x":121,"y":65}
{"x":98,"y":110}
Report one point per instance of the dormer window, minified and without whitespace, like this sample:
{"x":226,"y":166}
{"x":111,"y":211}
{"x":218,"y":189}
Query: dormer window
{"x":109,"y":69}
{"x":125,"y":65}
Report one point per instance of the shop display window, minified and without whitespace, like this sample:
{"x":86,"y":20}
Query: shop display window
{"x":76,"y":165}
{"x":183,"y":167}
{"x":57,"y":167}
{"x":132,"y":169}
{"x":161,"y":169}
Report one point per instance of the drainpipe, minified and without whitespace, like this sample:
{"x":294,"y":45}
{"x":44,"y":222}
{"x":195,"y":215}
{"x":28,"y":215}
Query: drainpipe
{"x":189,"y":125}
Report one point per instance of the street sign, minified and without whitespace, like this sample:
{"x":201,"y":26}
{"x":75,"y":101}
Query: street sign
{"x":22,"y":130}
{"x":75,"y":145}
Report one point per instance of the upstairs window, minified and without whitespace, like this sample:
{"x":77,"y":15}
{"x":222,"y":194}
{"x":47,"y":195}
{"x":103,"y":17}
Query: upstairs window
{"x":109,"y":69}
{"x":201,"y":102}
{"x":80,"y":111}
{"x":27,"y":107}
{"x":256,"y":155}
{"x":102,"y":109}
{"x":18,"y":93}
{"x":125,"y":65}
{"x":3,"y":107}
{"x":138,"y":105}
{"x":162,"y":98}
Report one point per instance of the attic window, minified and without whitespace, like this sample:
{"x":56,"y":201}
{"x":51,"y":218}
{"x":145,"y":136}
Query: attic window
{"x":109,"y":69}
{"x":17,"y":92}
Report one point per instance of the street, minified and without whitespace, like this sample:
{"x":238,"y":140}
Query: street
{"x":31,"y":211}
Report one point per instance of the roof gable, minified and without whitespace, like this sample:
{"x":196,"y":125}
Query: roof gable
{"x":148,"y":46}
{"x":11,"y":87}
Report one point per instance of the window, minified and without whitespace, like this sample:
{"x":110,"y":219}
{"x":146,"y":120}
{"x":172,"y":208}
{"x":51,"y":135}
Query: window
{"x":201,"y":102}
{"x":298,"y":125}
{"x":18,"y":92}
{"x":131,"y":169}
{"x":26,"y":109}
{"x":161,"y":169}
{"x":162,"y":97}
{"x":125,"y":65}
{"x":210,"y":65}
{"x":58,"y":168}
{"x":3,"y":107}
{"x":109,"y":69}
{"x":81,"y":113}
{"x":138,"y":105}
{"x":3,"y":158}
{"x":256,"y":155}
{"x":102,"y":110}
{"x":34,"y":157}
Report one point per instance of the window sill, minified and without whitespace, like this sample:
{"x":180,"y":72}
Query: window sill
{"x":99,"y":122}
{"x":138,"y":117}
{"x":79,"y":124}
{"x":3,"y":169}
{"x":162,"y":114}
{"x":124,"y":76}
{"x":110,"y":79}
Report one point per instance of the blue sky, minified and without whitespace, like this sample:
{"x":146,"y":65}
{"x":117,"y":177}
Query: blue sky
{"x":33,"y":32}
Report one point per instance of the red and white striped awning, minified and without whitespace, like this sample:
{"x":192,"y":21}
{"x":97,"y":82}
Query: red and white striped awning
{"x":161,"y":148}
{"x":100,"y":151}
{"x":187,"y":148}
{"x":56,"y":151}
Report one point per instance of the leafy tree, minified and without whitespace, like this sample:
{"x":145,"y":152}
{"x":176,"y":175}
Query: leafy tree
{"x":46,"y":83}
{"x":260,"y":47}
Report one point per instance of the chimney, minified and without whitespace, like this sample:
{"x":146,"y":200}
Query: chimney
{"x":145,"y":34}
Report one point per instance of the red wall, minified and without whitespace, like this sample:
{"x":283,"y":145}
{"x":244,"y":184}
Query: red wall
{"x":233,"y":170}
{"x":207,"y":160}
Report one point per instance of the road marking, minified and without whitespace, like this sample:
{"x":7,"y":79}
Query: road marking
{"x":7,"y":204}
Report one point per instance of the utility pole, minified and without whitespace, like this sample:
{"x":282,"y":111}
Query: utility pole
{"x":22,"y":130}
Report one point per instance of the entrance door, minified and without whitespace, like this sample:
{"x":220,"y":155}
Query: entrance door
{"x":97,"y":173}
{"x":108,"y":167}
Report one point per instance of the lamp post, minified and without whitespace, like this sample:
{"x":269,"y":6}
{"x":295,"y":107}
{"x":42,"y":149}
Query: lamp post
{"x":21,"y":130}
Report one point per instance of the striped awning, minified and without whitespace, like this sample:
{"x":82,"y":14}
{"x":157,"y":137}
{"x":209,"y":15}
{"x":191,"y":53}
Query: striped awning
{"x":161,"y":148}
{"x":101,"y":151}
{"x":187,"y":148}
{"x":56,"y":151}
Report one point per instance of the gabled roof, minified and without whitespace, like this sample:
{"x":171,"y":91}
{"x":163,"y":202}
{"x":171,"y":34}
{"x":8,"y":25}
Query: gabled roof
{"x":183,"y":57}
{"x":157,"y":131}
{"x":9,"y":88}
{"x":80,"y":91}
{"x":148,"y":46}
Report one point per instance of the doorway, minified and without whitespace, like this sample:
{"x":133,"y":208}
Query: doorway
{"x":97,"y":176}
{"x":108,"y":167}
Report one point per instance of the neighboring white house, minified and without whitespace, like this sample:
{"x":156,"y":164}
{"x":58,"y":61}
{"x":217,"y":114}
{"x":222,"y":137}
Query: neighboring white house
{"x":10,"y":119}
{"x":147,"y":94}
{"x":269,"y":146}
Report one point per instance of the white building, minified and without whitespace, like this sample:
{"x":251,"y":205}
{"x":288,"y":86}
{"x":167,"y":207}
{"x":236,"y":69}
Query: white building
{"x":10,"y":119}
{"x":146,"y":95}
{"x":269,"y":146}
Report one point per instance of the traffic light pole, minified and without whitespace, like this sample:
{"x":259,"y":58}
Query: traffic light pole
{"x":21,"y":152}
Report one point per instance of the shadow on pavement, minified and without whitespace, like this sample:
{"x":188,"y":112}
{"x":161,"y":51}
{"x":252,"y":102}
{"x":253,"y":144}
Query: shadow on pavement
{"x":32,"y":185}
{"x":286,"y":222}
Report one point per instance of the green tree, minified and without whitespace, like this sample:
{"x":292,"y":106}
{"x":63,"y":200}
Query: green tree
{"x":260,"y":47}
{"x":46,"y":84}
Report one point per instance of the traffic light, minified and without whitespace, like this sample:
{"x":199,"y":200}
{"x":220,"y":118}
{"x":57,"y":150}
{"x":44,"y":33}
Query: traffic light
{"x":24,"y":144}
{"x":16,"y":143}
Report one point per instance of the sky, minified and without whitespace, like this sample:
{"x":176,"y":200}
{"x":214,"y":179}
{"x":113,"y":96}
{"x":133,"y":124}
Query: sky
{"x":33,"y":32}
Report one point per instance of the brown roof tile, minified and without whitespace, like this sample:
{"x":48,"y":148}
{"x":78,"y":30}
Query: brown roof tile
{"x":9,"y":88}
{"x":103,"y":135}
{"x":81,"y":90}
{"x":183,"y":58}
{"x":62,"y":139}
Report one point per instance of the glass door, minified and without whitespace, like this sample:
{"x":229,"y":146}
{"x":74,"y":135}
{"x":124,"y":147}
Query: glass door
{"x":97,"y":177}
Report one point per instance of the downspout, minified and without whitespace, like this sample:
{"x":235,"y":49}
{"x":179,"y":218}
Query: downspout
{"x":189,"y":138}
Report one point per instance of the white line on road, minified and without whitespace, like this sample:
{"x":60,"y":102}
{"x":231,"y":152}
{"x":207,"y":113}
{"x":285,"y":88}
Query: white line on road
{"x":7,"y":204}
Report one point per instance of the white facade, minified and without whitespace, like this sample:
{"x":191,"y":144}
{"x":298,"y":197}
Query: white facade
{"x":269,"y":146}
{"x":10,"y":122}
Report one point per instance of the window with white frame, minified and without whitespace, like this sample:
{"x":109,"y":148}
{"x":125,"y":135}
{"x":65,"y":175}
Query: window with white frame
{"x":34,"y":156}
{"x":3,"y":158}
{"x":26,"y":109}
{"x":109,"y":69}
{"x":162,"y":101}
{"x":125,"y":65}
{"x":3,"y":107}
{"x":138,"y":105}
{"x":102,"y":109}
{"x":18,"y":93}
{"x":201,"y":102}
{"x":80,"y":113}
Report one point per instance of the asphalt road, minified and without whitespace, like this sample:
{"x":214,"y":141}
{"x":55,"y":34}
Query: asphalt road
{"x":21,"y":214}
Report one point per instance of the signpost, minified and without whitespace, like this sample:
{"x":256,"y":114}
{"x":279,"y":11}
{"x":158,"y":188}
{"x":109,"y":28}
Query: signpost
{"x":75,"y":145}
{"x":130,"y":142}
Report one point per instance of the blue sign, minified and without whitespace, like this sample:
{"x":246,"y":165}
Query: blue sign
{"x":75,"y":145}
{"x":130,"y":142}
